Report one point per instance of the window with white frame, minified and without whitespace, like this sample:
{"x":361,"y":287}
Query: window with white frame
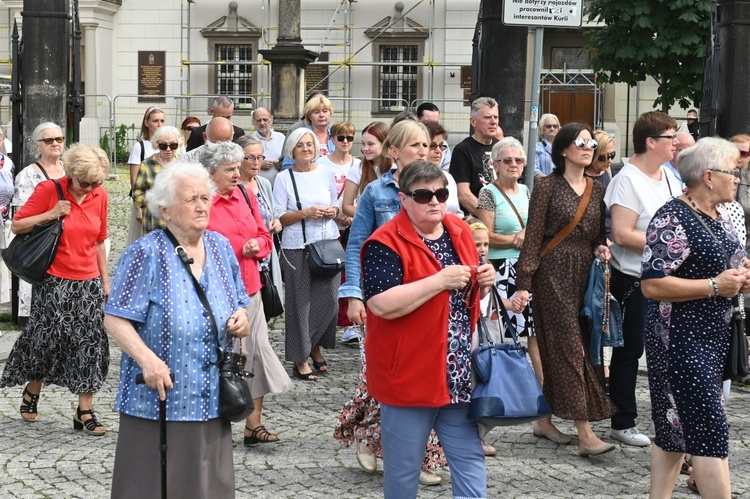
{"x":397,"y":83}
{"x":232,"y":78}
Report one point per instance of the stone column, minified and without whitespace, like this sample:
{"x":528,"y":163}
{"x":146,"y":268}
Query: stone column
{"x":89,"y":70}
{"x":734,"y":66}
{"x":288,"y":62}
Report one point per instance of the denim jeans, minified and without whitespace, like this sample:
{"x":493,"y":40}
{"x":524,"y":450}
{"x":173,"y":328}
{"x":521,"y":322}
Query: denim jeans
{"x":405,"y":431}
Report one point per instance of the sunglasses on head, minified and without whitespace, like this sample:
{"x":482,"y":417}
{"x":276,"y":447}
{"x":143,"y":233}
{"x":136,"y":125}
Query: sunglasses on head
{"x":348,"y":138}
{"x":590,"y":143}
{"x":605,"y":157}
{"x":50,"y":140}
{"x":424,"y":196}
{"x":171,"y":145}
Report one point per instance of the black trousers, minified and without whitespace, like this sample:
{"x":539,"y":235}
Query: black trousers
{"x":623,"y":369}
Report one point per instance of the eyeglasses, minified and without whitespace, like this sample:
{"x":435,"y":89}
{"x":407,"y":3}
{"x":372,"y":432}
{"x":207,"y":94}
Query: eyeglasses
{"x":50,"y":140}
{"x":551,"y":126}
{"x":734,"y":173}
{"x":348,"y":138}
{"x":510,"y":161}
{"x":605,"y":157}
{"x":744,"y":154}
{"x":190,"y":128}
{"x":86,"y":185}
{"x":424,"y":196}
{"x":442,"y":147}
{"x":253,"y":159}
{"x":670,"y":137}
{"x":171,"y":145}
{"x":590,"y":143}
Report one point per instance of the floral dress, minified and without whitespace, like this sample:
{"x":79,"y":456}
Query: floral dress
{"x":687,"y":342}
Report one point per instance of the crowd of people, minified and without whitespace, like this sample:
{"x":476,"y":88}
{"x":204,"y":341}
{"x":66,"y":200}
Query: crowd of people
{"x":426,"y":231}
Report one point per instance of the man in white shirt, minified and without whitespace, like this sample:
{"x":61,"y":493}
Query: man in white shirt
{"x":272,"y":141}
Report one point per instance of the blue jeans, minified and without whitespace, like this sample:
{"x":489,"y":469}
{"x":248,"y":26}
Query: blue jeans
{"x":405,"y":431}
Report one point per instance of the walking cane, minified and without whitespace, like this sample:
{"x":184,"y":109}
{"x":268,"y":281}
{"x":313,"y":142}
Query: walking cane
{"x":162,"y":435}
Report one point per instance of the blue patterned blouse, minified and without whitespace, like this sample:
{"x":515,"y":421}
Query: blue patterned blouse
{"x":153,"y":289}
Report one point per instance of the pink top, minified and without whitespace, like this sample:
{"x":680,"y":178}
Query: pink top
{"x":82,"y":228}
{"x":232,"y":218}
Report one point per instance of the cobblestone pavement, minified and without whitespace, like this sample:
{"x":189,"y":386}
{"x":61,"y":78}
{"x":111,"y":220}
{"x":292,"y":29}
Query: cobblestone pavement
{"x":50,"y":459}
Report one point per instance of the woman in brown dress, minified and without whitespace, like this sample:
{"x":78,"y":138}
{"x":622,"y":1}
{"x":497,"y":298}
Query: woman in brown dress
{"x":574,"y":388}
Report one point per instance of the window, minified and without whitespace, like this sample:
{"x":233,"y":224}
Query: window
{"x":397,"y":83}
{"x":235,"y":79}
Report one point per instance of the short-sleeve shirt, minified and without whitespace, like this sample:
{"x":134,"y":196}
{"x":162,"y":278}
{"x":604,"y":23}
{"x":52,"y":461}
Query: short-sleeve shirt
{"x":138,"y":152}
{"x":153,"y":290}
{"x":471,"y":163}
{"x":506,"y":221}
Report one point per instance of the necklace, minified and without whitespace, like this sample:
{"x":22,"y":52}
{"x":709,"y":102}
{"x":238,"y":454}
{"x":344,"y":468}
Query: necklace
{"x":694,"y":205}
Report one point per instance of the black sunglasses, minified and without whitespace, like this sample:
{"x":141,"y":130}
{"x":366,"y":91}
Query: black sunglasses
{"x":171,"y":145}
{"x":605,"y":157}
{"x":348,"y":138}
{"x":190,"y":128}
{"x":424,"y":196}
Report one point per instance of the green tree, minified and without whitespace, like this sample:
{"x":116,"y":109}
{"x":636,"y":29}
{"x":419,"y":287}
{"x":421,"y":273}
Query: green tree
{"x":663,"y":39}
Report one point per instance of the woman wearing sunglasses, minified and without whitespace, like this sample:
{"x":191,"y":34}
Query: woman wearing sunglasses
{"x":64,"y":342}
{"x":548,"y":128}
{"x":165,"y":141}
{"x":557,"y":275}
{"x":49,"y":140}
{"x":188,"y":125}
{"x":600,"y":168}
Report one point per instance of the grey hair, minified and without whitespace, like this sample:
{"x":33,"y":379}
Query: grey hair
{"x":542,"y":121}
{"x":481,"y":102}
{"x":293,"y":138}
{"x":163,"y":192}
{"x":165,"y":131}
{"x":42,"y":127}
{"x":217,"y":154}
{"x":420,"y":171}
{"x":507,"y":143}
{"x":245,"y":141}
{"x":707,"y":153}
{"x":222,"y":101}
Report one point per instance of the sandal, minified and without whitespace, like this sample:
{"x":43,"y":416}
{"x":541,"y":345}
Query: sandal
{"x":304,"y":377}
{"x":692,"y":485}
{"x":319,"y":366}
{"x":687,"y":466}
{"x":91,"y":426}
{"x":260,"y":435}
{"x":28,"y":405}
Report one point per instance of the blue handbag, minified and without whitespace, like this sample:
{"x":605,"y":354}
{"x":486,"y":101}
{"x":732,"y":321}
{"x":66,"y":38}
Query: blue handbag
{"x":601,"y":312}
{"x":507,"y":392}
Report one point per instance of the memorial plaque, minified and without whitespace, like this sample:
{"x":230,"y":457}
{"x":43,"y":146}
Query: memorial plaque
{"x":465,"y":76}
{"x":151,"y":75}
{"x":315,"y":72}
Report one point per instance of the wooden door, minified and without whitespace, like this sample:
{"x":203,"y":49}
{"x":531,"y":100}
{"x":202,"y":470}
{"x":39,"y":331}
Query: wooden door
{"x":569,"y":106}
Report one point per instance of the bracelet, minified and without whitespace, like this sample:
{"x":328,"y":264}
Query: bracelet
{"x":710,"y":288}
{"x":715,"y":286}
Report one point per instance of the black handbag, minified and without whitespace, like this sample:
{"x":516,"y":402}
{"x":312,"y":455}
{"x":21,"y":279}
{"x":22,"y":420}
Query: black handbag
{"x":326,"y":257}
{"x":30,"y":255}
{"x":272,"y":306}
{"x":235,"y":400}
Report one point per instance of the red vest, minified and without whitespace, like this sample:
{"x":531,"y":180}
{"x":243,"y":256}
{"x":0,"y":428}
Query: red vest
{"x":407,"y":357}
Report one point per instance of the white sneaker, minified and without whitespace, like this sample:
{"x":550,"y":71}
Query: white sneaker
{"x":631,"y":436}
{"x":351,"y":335}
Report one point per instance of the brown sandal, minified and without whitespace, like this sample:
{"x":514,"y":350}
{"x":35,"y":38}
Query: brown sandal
{"x":28,"y":406}
{"x":260,"y":435}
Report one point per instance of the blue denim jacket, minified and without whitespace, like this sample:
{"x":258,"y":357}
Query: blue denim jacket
{"x":593,"y":313}
{"x":378,"y":204}
{"x":543,"y":158}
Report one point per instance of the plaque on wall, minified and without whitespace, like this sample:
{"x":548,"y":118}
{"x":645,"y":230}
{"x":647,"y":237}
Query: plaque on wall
{"x":151,"y":75}
{"x":314,"y":74}
{"x":465,"y":76}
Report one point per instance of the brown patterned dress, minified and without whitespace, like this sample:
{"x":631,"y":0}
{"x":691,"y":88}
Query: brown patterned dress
{"x":574,"y":389}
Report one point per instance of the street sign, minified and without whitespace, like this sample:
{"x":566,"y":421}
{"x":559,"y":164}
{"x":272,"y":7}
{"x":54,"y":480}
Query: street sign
{"x":546,"y":13}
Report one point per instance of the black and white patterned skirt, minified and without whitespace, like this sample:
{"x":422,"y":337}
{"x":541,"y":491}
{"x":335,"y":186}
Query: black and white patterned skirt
{"x":64,"y":341}
{"x":505,"y":281}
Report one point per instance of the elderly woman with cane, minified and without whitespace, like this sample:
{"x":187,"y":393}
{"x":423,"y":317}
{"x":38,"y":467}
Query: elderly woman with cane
{"x":157,"y":318}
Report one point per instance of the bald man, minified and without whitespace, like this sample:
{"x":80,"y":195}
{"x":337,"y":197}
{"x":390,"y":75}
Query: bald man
{"x":217,"y":130}
{"x":683,"y":140}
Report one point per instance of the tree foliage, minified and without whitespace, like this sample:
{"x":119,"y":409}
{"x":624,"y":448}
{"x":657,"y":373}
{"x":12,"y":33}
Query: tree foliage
{"x":663,"y":39}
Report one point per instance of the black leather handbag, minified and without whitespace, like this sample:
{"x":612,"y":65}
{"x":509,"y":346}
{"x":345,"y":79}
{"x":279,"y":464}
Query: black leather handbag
{"x":30,"y":255}
{"x":235,"y":400}
{"x":737,"y":360}
{"x":272,"y":306}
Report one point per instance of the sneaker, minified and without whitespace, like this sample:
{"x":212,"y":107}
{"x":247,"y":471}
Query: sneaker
{"x":631,"y":436}
{"x":429,"y":478}
{"x":351,"y":335}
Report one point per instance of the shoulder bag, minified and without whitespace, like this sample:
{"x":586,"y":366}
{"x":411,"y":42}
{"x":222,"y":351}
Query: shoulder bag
{"x":507,"y":391}
{"x":737,"y":358}
{"x":325,"y":257}
{"x":30,"y":255}
{"x":572,"y":225}
{"x":507,"y":198}
{"x":235,"y":400}
{"x":272,"y":306}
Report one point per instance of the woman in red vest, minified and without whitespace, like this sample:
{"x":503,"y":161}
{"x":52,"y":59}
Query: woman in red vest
{"x":422,"y":282}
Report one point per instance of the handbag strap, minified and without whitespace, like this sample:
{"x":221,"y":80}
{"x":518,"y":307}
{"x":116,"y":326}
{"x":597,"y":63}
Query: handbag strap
{"x":299,"y":205}
{"x":520,"y":220}
{"x":44,"y":172}
{"x":579,"y":214}
{"x":244,"y":193}
{"x":180,"y":252}
{"x":502,"y":312}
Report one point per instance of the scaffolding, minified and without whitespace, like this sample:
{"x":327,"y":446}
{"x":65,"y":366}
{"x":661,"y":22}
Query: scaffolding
{"x":571,"y":81}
